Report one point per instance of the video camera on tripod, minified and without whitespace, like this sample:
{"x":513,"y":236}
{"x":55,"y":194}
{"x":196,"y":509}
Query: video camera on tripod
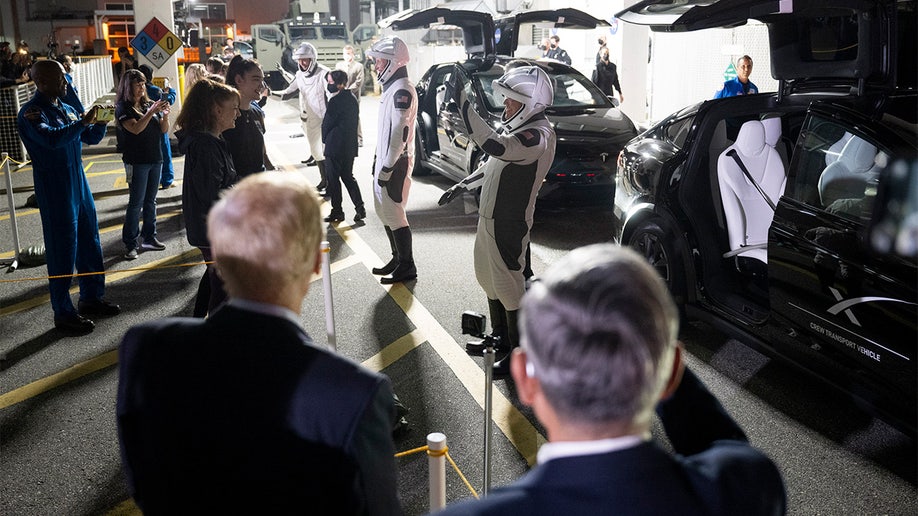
{"x":474,"y":324}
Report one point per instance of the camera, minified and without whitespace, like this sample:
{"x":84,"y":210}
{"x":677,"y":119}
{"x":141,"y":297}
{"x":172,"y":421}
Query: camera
{"x":474,"y":324}
{"x":105,"y":114}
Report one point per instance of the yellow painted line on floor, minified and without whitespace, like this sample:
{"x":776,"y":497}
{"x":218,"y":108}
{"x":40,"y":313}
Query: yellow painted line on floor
{"x":125,"y":508}
{"x":20,"y":214}
{"x":521,"y":433}
{"x":56,"y":380}
{"x":393,"y":352}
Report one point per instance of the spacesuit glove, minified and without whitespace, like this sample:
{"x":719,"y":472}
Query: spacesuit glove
{"x":455,"y":191}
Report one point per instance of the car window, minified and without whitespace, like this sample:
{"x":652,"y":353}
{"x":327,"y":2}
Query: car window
{"x":494,"y":101}
{"x":837,"y":169}
{"x":678,"y":130}
{"x":307,"y":33}
{"x":571,"y":90}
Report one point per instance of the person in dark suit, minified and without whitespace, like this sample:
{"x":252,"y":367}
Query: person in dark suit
{"x":339,"y":134}
{"x":242,"y":413}
{"x":598,"y":351}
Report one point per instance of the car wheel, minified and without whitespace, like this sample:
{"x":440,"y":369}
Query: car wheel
{"x":652,"y":240}
{"x":419,"y":169}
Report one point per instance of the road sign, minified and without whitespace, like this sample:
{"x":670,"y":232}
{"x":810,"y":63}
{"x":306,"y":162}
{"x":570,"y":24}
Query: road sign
{"x":730,"y":72}
{"x":156,"y":42}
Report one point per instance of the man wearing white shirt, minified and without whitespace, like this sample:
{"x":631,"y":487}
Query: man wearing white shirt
{"x":598,"y":353}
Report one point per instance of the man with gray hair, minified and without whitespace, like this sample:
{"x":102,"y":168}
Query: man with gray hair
{"x":598,"y":353}
{"x":241,"y":413}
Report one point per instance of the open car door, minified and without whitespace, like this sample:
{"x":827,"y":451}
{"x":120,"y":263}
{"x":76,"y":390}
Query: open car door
{"x":477,"y":28}
{"x":845,"y":41}
{"x":507,"y":28}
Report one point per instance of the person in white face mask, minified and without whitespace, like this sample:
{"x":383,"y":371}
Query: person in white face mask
{"x":398,"y":111}
{"x":310,"y":81}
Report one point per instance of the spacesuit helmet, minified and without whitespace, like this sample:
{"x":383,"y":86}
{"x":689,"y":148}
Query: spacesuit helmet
{"x":307,"y":51}
{"x":528,"y":85}
{"x":392,"y":49}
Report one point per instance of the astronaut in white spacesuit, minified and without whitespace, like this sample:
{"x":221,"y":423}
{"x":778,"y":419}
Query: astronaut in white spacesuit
{"x":311,"y":83}
{"x":521,"y":152}
{"x":398,"y":111}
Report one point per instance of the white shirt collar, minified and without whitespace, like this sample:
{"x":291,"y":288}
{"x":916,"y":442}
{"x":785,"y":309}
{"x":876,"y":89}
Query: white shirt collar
{"x":266,"y":309}
{"x":561,"y":449}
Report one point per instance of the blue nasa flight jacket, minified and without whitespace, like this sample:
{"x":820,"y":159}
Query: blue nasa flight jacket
{"x":734,"y":87}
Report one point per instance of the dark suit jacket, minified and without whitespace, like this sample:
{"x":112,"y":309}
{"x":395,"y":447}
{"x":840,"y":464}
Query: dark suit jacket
{"x":241,"y":414}
{"x":339,"y":127}
{"x":717,"y":473}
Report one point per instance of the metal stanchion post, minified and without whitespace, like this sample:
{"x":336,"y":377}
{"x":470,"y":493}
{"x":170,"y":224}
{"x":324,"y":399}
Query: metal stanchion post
{"x":436,"y":462}
{"x":5,"y":157}
{"x":489,"y":377}
{"x":329,"y":303}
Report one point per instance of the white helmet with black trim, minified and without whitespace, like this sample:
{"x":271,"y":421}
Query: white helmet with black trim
{"x":530,"y":86}
{"x":393,"y":50}
{"x":307,"y":51}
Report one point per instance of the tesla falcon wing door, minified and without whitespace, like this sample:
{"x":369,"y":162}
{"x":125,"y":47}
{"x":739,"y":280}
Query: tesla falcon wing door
{"x":507,"y":28}
{"x":845,"y":42}
{"x":477,"y":28}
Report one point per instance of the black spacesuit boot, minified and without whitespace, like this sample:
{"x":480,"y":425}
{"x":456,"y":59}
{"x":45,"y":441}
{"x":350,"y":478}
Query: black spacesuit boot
{"x":502,"y":366}
{"x":405,"y":270}
{"x":323,"y":181}
{"x":393,"y":263}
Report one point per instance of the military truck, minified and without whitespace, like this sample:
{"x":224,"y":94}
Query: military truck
{"x":274,"y":43}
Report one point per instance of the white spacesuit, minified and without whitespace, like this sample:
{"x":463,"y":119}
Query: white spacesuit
{"x":311,"y":83}
{"x":398,"y":111}
{"x":521,"y":153}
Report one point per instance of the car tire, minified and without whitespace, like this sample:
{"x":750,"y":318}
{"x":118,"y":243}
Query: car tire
{"x":656,"y":243}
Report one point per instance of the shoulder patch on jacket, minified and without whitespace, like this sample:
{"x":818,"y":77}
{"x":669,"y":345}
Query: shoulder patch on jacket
{"x":402,"y":99}
{"x":33,"y":114}
{"x":529,"y":137}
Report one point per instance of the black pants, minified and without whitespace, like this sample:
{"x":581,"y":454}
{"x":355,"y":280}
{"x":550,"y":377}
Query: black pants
{"x":210,"y":290}
{"x":342,"y":169}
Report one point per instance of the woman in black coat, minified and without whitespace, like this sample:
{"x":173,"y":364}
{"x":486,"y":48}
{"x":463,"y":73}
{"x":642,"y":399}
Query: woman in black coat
{"x":606,"y":75}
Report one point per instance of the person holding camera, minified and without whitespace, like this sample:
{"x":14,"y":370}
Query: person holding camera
{"x":144,"y":122}
{"x":520,"y":155}
{"x":154,"y":92}
{"x":598,"y":355}
{"x":53,"y":134}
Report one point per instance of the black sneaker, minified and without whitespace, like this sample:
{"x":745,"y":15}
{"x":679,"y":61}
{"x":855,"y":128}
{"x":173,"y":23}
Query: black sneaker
{"x":98,"y":307}
{"x":153,"y":245}
{"x":360,"y":215}
{"x":335,"y":217}
{"x":131,"y":254}
{"x":73,"y":323}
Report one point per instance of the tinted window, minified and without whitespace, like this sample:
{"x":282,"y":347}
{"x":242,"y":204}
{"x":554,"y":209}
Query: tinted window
{"x":571,"y":90}
{"x":307,"y":33}
{"x":678,"y":130}
{"x":334,"y":33}
{"x":837,"y":170}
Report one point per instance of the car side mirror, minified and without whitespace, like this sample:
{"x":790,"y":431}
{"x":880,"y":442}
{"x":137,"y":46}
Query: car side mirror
{"x":893,"y":228}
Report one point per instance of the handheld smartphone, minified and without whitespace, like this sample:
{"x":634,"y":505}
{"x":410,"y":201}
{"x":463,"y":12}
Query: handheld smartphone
{"x":105,"y":114}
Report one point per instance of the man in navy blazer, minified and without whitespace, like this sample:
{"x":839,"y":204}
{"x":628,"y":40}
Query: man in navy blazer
{"x":598,"y":351}
{"x":242,"y":413}
{"x":339,"y":134}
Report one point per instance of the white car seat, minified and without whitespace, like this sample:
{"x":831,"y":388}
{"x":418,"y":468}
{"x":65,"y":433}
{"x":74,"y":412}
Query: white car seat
{"x":773,"y":138}
{"x":847,"y":178}
{"x":834,"y":150}
{"x":748,"y":212}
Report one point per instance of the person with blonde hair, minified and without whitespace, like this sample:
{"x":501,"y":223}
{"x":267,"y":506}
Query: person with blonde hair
{"x":242,"y":413}
{"x":193,"y":74}
{"x":210,"y":108}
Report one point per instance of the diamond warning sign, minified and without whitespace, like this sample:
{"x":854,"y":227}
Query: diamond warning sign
{"x":156,"y":42}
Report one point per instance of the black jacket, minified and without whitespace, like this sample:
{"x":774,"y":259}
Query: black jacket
{"x":606,"y":77}
{"x":339,"y":127}
{"x":209,"y":169}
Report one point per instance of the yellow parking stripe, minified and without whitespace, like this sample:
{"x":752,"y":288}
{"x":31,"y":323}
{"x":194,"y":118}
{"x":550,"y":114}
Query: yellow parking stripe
{"x":56,"y":380}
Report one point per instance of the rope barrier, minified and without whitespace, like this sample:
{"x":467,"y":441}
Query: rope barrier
{"x":82,"y":274}
{"x":440,"y":453}
{"x":20,"y":163}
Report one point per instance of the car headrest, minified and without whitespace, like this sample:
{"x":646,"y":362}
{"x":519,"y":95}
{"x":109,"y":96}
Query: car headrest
{"x":751,"y":138}
{"x":772,"y":130}
{"x":858,"y":155}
